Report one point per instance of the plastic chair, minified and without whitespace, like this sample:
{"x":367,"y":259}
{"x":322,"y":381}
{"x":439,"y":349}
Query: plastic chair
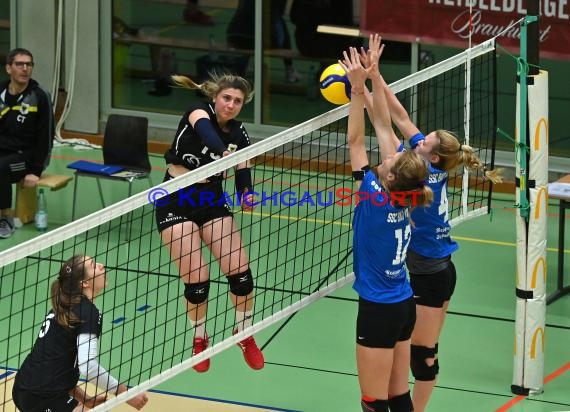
{"x":124,"y":144}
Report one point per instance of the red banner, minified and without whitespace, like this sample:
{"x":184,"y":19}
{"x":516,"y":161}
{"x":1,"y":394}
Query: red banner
{"x":447,"y":22}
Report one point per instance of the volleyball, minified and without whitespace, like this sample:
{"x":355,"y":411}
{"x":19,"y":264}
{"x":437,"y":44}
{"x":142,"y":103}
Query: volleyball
{"x":334,"y":85}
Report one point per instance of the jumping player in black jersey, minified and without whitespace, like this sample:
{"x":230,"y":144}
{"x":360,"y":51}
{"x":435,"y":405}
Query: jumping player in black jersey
{"x":67,"y":347}
{"x":199,"y":213}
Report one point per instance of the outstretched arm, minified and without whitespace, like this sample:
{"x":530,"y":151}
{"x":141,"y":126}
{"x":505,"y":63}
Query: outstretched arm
{"x":86,"y":400}
{"x":368,"y":102}
{"x":87,"y":353}
{"x":387,"y":139}
{"x":398,"y":113}
{"x":355,"y":134}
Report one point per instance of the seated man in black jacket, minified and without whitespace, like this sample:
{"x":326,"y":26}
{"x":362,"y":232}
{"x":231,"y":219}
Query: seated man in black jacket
{"x":26,"y":132}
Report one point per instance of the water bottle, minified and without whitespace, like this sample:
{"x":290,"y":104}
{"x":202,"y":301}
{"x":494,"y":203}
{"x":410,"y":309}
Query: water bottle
{"x":41,"y":218}
{"x":312,"y":84}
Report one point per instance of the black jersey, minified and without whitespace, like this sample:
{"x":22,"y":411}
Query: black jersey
{"x":51,"y":366}
{"x":188,"y":149}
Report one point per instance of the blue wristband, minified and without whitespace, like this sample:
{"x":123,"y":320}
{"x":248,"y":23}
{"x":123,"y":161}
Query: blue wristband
{"x":415,"y":139}
{"x":243,"y":181}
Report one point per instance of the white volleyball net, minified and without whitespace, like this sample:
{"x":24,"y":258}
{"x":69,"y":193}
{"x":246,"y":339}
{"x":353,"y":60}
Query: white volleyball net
{"x":298,"y":239}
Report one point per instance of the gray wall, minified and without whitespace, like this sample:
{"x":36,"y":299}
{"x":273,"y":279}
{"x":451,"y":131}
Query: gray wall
{"x":36,"y":30}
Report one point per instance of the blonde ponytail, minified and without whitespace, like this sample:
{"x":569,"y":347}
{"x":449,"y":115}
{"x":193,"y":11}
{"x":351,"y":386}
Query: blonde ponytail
{"x":215,"y":84}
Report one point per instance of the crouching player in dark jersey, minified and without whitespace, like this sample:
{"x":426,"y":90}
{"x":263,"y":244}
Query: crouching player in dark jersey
{"x":386,"y":309}
{"x":67,"y":347}
{"x":432,"y":273}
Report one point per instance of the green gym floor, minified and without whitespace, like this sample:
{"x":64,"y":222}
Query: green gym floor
{"x":310,"y":361}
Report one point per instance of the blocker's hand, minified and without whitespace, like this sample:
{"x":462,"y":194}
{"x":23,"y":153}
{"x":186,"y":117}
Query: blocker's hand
{"x":353,"y":67}
{"x":370,"y":59}
{"x":375,"y":49}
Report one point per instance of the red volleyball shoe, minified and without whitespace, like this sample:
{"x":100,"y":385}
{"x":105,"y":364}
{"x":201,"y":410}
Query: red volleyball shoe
{"x":251,"y":353}
{"x":200,"y":344}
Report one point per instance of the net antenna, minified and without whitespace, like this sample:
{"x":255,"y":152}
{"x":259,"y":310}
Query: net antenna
{"x":298,"y":239}
{"x":465,"y":181}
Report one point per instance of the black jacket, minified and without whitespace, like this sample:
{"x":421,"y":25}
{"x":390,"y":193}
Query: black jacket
{"x":27,"y":126}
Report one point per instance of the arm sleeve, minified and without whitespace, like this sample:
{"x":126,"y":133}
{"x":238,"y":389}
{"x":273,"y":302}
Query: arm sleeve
{"x":209,"y":137}
{"x":44,"y":133}
{"x":87,"y":352}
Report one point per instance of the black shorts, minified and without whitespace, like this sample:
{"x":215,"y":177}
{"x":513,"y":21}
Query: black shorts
{"x":382,"y":325}
{"x":434,"y":289}
{"x":29,"y":402}
{"x":198,"y":203}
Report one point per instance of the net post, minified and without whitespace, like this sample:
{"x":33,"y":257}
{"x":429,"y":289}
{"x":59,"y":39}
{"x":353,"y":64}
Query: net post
{"x":531,"y":219}
{"x":523,"y":141}
{"x":533,"y":39}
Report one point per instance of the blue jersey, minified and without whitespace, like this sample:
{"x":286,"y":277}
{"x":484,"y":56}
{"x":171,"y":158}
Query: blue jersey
{"x":381,"y":237}
{"x":431,"y":235}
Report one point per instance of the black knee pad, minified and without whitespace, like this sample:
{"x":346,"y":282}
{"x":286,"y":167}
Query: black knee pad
{"x":401,"y":403}
{"x":197,"y":293}
{"x":242,"y":283}
{"x":377,"y":405}
{"x":420,"y":369}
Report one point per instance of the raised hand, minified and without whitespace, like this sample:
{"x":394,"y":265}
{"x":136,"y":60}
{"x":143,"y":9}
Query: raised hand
{"x":354,"y":70}
{"x":375,"y":49}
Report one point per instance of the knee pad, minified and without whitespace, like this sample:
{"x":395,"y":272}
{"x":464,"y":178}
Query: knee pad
{"x":241,"y":284}
{"x":420,"y":369}
{"x":374,"y":405}
{"x":401,"y":403}
{"x":196,"y":293}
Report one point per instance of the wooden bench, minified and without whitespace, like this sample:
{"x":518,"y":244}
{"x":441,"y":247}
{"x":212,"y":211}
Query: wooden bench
{"x":26,"y":197}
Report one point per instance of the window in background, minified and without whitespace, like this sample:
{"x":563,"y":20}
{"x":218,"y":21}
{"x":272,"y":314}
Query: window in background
{"x":155,"y":38}
{"x":559,"y":97}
